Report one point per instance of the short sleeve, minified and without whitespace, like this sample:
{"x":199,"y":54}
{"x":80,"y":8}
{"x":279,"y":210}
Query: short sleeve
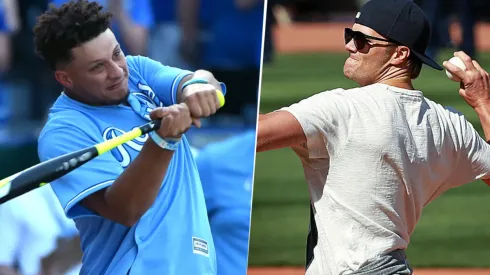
{"x":66,"y":226}
{"x":10,"y":232}
{"x":91,"y":177}
{"x":141,"y":13}
{"x":164,"y":80}
{"x":475,"y":162}
{"x":324,"y":118}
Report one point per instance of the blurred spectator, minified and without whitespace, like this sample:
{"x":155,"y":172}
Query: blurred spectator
{"x":270,"y":21}
{"x":438,"y":12}
{"x":33,"y":84}
{"x":132,"y":21}
{"x":166,"y":35}
{"x":226,"y":172}
{"x":36,"y":237}
{"x":9,"y":24}
{"x":227,"y":40}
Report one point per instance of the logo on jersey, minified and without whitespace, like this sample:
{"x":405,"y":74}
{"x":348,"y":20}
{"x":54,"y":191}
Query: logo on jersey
{"x":147,"y":97}
{"x":122,"y":152}
{"x":200,"y":246}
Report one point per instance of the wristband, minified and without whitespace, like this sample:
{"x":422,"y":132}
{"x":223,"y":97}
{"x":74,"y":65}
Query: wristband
{"x":194,"y":81}
{"x":165,"y":143}
{"x":203,"y":81}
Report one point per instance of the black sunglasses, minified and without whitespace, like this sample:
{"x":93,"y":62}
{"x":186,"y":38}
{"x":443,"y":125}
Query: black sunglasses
{"x":361,"y":39}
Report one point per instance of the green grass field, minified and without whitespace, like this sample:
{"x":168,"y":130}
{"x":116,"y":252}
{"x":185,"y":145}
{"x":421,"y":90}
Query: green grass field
{"x":454,"y":230}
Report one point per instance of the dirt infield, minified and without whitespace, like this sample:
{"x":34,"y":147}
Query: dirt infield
{"x":300,"y":271}
{"x":328,"y":37}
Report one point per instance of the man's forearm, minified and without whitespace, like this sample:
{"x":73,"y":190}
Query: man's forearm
{"x":199,"y":74}
{"x":278,"y":130}
{"x":136,"y":189}
{"x":483,"y":113}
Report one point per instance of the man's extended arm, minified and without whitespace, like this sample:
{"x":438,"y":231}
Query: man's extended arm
{"x":277,"y":130}
{"x":475,"y":90}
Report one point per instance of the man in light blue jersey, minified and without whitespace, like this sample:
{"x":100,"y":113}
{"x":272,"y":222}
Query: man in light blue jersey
{"x":227,"y":182}
{"x":141,"y":208}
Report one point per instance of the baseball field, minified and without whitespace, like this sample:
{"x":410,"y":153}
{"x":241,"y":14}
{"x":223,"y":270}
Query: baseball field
{"x":453,"y":235}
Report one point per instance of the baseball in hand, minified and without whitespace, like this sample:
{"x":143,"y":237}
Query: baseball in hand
{"x":460,"y":64}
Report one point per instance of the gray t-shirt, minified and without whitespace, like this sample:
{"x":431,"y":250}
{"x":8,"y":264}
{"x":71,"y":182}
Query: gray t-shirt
{"x":375,"y":156}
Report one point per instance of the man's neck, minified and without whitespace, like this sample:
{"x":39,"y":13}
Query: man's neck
{"x":399,"y":83}
{"x":75,"y":97}
{"x":398,"y":78}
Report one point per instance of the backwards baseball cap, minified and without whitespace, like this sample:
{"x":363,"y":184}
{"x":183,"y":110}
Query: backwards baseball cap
{"x":402,"y":21}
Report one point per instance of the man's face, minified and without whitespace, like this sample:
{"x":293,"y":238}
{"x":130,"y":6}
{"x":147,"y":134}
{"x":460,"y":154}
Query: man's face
{"x":98,"y":73}
{"x":366,"y":65}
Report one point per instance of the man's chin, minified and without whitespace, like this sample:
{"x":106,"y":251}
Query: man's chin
{"x":118,"y":97}
{"x":348,"y":73}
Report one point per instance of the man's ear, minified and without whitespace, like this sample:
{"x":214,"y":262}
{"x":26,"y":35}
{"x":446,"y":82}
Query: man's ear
{"x":64,"y":79}
{"x":400,"y":55}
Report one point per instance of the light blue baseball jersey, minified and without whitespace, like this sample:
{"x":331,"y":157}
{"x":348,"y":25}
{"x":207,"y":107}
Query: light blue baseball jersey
{"x":227,"y":182}
{"x":173,"y":237}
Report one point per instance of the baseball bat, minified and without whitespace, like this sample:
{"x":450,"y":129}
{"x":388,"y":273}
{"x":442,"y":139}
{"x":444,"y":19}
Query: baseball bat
{"x":48,"y":171}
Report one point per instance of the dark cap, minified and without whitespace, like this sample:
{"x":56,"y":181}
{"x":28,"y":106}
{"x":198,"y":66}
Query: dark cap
{"x":402,"y":21}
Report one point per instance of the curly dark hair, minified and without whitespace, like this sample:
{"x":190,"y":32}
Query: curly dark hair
{"x":59,"y":30}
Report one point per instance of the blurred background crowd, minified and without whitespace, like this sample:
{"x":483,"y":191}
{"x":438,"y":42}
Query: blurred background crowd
{"x":223,"y":37}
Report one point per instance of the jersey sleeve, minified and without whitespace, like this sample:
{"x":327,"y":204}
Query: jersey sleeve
{"x":91,"y":177}
{"x":475,"y":160}
{"x":164,"y":80}
{"x":324,"y":118}
{"x":10,"y":232}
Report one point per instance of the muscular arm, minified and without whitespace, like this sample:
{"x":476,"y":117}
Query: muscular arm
{"x":279,"y":130}
{"x":135,"y":190}
{"x":484,"y":115}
